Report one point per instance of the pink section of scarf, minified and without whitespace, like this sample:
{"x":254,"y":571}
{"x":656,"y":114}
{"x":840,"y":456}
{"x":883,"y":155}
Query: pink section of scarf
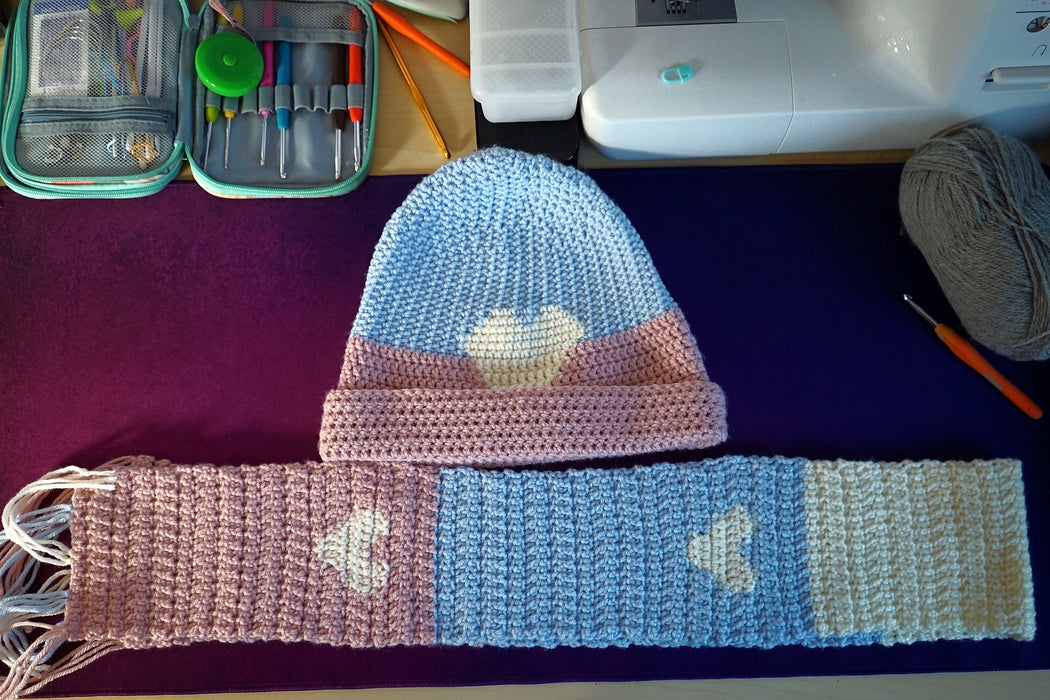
{"x":179,"y":553}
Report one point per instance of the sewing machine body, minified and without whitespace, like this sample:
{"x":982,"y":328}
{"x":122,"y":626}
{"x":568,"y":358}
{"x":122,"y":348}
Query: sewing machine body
{"x":793,"y":76}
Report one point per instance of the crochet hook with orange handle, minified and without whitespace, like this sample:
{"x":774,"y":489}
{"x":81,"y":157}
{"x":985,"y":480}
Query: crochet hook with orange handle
{"x":402,"y":26}
{"x":968,"y":354}
{"x":417,"y":96}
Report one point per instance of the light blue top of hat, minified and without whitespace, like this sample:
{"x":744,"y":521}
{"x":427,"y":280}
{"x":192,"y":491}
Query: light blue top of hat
{"x":502,"y":229}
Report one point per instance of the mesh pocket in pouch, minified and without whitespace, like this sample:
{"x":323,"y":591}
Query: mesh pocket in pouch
{"x":79,"y":154}
{"x":102,"y":87}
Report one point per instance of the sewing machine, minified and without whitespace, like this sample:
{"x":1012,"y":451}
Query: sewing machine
{"x":690,"y":78}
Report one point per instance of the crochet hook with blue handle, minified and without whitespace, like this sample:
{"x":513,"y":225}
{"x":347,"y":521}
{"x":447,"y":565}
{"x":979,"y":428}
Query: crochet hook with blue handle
{"x":284,"y":114}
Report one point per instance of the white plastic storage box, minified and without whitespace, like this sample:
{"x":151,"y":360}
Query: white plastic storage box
{"x":524,"y":59}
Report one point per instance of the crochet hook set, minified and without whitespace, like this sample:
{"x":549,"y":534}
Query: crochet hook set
{"x":106,"y":98}
{"x":311,"y":77}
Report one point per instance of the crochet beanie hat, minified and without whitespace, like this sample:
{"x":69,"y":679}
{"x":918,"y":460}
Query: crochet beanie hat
{"x":512,"y":315}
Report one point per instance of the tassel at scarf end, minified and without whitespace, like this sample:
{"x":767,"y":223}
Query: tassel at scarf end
{"x":32,"y":598}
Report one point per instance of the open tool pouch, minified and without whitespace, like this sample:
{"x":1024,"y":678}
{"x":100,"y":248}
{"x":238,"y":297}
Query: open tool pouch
{"x":322,"y":156}
{"x":102,"y":98}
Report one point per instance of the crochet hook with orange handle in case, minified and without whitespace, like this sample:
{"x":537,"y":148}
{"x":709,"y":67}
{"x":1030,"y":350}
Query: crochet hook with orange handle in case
{"x":402,"y":26}
{"x":968,"y":354}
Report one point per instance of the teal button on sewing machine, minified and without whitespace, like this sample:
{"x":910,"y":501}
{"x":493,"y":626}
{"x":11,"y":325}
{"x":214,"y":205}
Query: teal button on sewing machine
{"x":677,"y":74}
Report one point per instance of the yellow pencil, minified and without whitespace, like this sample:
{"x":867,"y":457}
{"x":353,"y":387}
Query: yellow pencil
{"x":417,"y":96}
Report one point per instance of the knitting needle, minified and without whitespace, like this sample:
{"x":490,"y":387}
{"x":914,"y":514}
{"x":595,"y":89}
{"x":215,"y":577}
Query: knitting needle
{"x":355,"y":76}
{"x":402,"y":26}
{"x":968,"y":354}
{"x":417,"y":96}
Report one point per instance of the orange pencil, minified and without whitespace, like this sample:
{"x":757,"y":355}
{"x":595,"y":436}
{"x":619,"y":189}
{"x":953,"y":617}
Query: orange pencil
{"x":402,"y":26}
{"x":968,"y":354}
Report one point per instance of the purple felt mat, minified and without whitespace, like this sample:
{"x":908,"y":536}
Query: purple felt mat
{"x":206,"y":330}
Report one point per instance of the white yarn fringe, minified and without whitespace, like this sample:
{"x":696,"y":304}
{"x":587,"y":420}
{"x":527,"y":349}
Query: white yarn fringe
{"x":30,"y":540}
{"x":48,"y":549}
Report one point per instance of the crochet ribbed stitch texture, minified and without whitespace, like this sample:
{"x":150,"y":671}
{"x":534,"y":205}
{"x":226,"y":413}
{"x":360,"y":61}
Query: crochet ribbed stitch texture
{"x":186,"y":553}
{"x":512,"y":315}
{"x":730,"y":551}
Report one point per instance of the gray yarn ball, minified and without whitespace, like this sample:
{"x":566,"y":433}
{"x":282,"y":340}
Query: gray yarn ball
{"x":977,"y":205}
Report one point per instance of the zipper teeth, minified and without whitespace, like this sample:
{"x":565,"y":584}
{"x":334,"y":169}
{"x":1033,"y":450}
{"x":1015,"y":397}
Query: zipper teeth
{"x":109,"y":183}
{"x":59,"y":191}
{"x":222,"y":188}
{"x":16,"y":71}
{"x":48,"y":115}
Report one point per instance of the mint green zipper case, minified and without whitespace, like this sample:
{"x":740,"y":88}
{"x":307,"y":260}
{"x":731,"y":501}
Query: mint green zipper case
{"x":101,"y":99}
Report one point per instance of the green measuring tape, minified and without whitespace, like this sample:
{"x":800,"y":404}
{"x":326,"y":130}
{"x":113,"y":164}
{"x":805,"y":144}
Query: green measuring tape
{"x":229,"y":63}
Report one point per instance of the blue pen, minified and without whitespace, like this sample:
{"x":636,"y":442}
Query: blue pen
{"x":284,"y":77}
